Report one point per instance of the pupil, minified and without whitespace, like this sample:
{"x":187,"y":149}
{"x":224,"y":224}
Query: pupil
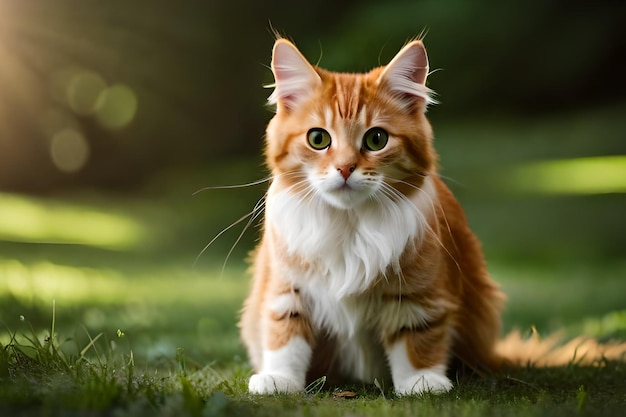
{"x":319,"y":138}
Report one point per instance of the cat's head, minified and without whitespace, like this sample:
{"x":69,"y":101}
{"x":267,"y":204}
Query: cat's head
{"x":350,"y":138}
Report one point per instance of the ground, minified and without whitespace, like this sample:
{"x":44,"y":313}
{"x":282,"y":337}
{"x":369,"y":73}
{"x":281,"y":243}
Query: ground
{"x":110,"y":306}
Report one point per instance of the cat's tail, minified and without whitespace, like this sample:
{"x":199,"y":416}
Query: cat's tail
{"x":516,"y":351}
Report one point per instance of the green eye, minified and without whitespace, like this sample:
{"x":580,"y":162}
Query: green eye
{"x":375,"y":139}
{"x":318,"y":139}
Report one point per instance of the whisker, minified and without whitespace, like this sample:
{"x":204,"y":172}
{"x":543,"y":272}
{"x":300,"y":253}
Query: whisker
{"x":303,"y":188}
{"x":255,"y":213}
{"x":310,"y":194}
{"x":389,"y":190}
{"x":447,"y":225}
{"x":415,"y":187}
{"x":387,"y":193}
{"x":450,"y":179}
{"x":241,"y":219}
{"x":424,"y":175}
{"x":238,"y":221}
{"x":227,"y":187}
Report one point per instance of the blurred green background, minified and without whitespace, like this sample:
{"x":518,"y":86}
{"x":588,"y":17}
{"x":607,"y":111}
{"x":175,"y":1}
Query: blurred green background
{"x":113,"y":114}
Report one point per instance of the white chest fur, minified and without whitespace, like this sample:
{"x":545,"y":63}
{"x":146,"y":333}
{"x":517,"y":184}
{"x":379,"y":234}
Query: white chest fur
{"x":347,"y":250}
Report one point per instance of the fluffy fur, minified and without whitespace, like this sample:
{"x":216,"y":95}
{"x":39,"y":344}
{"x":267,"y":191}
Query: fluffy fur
{"x":366,"y":268}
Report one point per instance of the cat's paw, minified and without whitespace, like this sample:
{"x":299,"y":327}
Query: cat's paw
{"x":423,"y":382}
{"x":274,"y":383}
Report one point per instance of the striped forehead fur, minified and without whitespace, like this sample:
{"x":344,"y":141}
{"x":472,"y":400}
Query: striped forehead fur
{"x":349,"y":95}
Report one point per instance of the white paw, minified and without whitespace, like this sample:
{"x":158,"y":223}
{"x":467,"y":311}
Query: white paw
{"x":423,"y":382}
{"x":274,"y":383}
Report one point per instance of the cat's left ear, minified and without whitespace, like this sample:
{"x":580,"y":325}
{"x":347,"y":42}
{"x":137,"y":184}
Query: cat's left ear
{"x":406,"y":75}
{"x":295,"y":77}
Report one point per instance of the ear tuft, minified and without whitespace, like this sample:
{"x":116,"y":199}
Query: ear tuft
{"x":295,"y":77}
{"x":406,"y":75}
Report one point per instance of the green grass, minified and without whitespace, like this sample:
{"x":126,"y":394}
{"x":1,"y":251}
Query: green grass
{"x":105,"y":310}
{"x":131,"y":338}
{"x":105,"y":379}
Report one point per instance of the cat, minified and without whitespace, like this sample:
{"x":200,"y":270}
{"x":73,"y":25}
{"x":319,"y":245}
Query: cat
{"x":366,"y":268}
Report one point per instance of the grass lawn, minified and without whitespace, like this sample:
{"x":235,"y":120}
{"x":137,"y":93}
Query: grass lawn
{"x":105,"y":310}
{"x":165,"y":343}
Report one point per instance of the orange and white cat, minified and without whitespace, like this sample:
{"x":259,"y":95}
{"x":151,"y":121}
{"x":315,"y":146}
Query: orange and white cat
{"x":366,"y":268}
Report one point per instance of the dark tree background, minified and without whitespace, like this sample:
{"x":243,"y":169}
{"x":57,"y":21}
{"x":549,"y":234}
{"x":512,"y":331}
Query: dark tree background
{"x":193,"y":71}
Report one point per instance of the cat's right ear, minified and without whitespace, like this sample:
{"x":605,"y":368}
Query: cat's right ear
{"x":294,"y":77}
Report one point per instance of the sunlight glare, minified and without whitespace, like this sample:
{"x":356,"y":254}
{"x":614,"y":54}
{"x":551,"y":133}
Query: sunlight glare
{"x":42,"y":281}
{"x":45,"y":281}
{"x":592,"y":175}
{"x":25,"y":219}
{"x":610,"y":323}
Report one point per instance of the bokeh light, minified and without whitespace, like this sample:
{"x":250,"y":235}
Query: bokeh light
{"x":83,"y":90}
{"x":86,"y":93}
{"x":69,"y":150}
{"x":116,"y":107}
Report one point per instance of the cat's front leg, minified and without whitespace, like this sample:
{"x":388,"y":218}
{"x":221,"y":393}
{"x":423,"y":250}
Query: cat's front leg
{"x":418,"y":359}
{"x":412,"y":377}
{"x":287,"y":346}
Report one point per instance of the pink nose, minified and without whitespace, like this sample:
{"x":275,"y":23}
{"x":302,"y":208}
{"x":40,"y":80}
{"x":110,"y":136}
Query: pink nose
{"x":346,"y":170}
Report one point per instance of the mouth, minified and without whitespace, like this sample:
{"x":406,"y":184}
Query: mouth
{"x":346,"y":194}
{"x":341,"y":188}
